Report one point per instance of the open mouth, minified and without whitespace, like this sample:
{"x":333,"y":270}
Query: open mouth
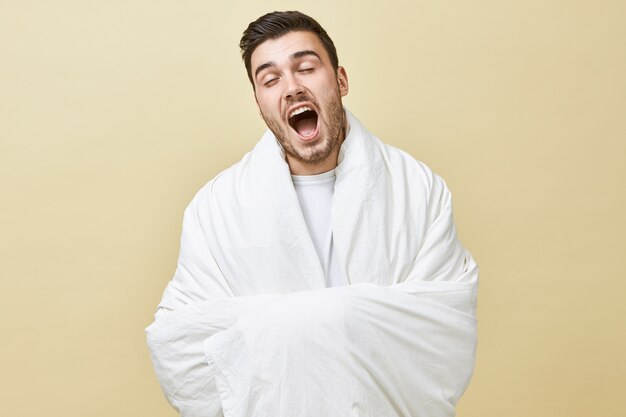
{"x":304,"y":121}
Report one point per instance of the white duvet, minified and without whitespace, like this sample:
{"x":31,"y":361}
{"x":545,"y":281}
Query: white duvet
{"x":246,"y":327}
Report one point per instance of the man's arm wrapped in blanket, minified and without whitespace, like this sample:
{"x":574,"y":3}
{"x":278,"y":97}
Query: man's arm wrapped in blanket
{"x":361,"y":350}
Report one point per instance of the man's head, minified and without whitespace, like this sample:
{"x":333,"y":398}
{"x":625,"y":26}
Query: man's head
{"x":276,"y":24}
{"x":298,"y":84}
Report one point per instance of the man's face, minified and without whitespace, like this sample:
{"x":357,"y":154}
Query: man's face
{"x":299,"y":96}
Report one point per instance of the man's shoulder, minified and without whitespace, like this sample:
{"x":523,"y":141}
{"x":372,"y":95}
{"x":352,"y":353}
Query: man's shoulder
{"x":370,"y":149}
{"x":242,"y":178}
{"x":399,"y":155}
{"x":402,"y":165}
{"x":224,"y":181}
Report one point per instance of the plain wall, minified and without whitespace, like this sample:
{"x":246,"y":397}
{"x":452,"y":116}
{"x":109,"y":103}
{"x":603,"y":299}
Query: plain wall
{"x":114,"y":113}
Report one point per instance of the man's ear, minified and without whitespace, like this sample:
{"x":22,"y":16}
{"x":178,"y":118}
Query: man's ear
{"x":342,"y":80}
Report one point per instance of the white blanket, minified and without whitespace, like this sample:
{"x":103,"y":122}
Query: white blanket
{"x":247,"y":329}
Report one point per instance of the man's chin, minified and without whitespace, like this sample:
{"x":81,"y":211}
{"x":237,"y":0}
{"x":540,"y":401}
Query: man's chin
{"x":313,"y":153}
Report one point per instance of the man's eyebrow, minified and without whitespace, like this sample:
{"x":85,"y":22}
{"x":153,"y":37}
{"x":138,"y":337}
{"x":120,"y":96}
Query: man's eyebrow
{"x":294,"y":56}
{"x":304,"y":53}
{"x":264,"y":66}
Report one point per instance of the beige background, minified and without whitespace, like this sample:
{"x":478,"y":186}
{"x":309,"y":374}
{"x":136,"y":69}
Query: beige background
{"x":113,"y":114}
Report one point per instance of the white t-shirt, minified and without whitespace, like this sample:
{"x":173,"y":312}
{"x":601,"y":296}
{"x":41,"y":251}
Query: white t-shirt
{"x":315,"y":193}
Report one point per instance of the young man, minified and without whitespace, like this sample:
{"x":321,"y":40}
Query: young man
{"x":321,"y":275}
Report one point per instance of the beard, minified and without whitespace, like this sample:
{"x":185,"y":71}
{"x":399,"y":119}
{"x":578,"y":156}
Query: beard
{"x":333,"y":124}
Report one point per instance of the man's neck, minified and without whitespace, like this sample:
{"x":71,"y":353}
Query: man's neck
{"x":298,"y":167}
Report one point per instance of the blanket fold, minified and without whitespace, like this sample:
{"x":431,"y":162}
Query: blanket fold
{"x":246,"y":327}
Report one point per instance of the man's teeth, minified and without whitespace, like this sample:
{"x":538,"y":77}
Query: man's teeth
{"x":300,"y":110}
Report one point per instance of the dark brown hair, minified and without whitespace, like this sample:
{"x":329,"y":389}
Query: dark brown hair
{"x":276,"y":24}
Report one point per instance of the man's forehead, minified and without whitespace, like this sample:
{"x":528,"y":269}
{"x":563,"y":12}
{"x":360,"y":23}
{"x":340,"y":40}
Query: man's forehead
{"x":282,"y":48}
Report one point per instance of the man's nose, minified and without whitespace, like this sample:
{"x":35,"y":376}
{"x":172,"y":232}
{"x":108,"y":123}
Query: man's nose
{"x":293,"y":88}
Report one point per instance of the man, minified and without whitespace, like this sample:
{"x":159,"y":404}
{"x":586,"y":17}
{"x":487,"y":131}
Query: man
{"x":321,"y":275}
